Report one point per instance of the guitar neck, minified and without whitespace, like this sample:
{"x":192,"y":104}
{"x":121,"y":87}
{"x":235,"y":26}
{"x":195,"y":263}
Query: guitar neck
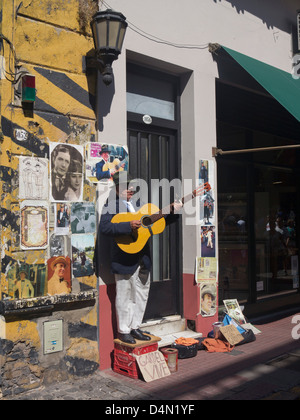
{"x":168,"y":210}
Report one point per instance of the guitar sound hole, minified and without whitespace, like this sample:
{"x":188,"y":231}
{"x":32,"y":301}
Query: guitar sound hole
{"x":146,"y":221}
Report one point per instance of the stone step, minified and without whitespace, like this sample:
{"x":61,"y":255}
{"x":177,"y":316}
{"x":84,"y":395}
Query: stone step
{"x":166,"y":325}
{"x":169,"y":329}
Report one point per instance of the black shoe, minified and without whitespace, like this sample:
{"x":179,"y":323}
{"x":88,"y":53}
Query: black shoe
{"x":138,"y":334}
{"x":126,"y":338}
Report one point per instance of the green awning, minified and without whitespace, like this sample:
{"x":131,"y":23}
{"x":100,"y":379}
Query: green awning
{"x":280,"y":84}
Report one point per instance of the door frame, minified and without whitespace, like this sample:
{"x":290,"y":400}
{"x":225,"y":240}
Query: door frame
{"x":161,"y":127}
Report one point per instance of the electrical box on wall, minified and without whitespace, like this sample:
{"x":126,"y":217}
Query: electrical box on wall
{"x":53,"y":336}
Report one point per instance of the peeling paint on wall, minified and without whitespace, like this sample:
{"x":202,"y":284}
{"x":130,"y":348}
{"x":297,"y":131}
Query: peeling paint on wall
{"x":43,"y":35}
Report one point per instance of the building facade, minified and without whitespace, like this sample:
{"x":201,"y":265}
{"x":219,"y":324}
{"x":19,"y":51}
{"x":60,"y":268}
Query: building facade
{"x":212,"y":78}
{"x":193,"y":97}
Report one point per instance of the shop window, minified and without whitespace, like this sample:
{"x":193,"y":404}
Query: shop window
{"x":276,"y":231}
{"x":263,"y":260}
{"x":233,"y":232}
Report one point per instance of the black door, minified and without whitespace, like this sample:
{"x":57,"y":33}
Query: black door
{"x":154,"y":156}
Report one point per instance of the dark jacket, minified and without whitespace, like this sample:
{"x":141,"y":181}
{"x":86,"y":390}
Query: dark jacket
{"x":100,"y":174}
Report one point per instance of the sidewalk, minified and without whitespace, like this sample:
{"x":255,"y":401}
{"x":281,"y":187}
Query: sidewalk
{"x":268,"y":368}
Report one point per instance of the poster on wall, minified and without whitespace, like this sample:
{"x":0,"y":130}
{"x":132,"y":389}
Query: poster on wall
{"x":208,"y":241}
{"x":206,"y":268}
{"x":34,"y":225}
{"x":82,"y":255}
{"x":33,"y":178}
{"x":27,"y":281}
{"x":66,"y":180}
{"x":207,"y":202}
{"x":103,"y":160}
{"x":59,"y":245}
{"x":62,"y":218}
{"x":59,"y":276}
{"x":83,"y":218}
{"x":208,"y":298}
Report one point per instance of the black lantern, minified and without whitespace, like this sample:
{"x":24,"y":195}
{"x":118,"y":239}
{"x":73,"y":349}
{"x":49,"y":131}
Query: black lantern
{"x":108,"y":29}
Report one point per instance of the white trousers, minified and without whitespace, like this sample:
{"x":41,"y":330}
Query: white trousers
{"x":131,"y":299}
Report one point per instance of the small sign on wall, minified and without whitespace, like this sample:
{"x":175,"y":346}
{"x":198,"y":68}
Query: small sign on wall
{"x":53,"y":336}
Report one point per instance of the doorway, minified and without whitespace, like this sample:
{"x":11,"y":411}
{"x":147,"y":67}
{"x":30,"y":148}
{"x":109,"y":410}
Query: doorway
{"x":154,"y":148}
{"x":153,"y":157}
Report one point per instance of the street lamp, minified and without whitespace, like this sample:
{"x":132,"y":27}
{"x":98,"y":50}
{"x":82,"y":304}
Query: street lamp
{"x":108,"y":29}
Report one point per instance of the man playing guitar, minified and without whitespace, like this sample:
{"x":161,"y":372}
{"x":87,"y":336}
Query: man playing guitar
{"x":131,"y":270}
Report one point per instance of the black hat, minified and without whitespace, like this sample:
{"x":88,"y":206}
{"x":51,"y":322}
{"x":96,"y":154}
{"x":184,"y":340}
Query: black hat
{"x":105,"y":149}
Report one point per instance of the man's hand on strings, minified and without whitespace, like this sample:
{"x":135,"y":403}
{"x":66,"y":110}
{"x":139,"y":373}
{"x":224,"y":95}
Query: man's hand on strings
{"x":135,"y":224}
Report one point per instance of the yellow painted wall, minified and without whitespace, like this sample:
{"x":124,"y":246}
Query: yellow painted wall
{"x":50,"y":40}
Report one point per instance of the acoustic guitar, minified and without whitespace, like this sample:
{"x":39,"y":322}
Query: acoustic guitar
{"x":152,"y":220}
{"x":116,"y":165}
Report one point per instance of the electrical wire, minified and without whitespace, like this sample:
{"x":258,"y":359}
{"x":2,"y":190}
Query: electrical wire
{"x":158,"y":40}
{"x":10,"y":74}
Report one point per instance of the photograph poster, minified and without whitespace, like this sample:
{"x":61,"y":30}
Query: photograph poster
{"x":27,"y":281}
{"x":59,"y":245}
{"x":208,"y":298}
{"x":83,"y":218}
{"x":62,"y":218}
{"x":59,"y":276}
{"x":66,"y":178}
{"x":104,"y":160}
{"x":207,"y":202}
{"x":208,"y":241}
{"x":82,"y":255}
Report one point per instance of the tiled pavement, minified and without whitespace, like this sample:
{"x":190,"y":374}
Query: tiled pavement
{"x":268,"y":368}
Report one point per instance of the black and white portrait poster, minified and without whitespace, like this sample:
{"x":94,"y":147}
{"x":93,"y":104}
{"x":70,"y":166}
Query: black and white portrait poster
{"x":33,"y":178}
{"x":59,"y":246}
{"x":83,"y":218}
{"x":66,"y":180}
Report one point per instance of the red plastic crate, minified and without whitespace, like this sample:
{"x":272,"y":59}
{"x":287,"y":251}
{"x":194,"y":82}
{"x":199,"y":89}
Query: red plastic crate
{"x":125,"y":364}
{"x":143,"y":349}
{"x":124,"y":360}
